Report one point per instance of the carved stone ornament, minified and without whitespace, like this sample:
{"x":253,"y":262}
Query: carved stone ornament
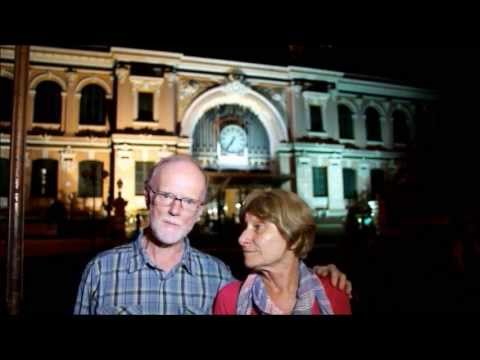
{"x":71,"y":77}
{"x":122,"y":74}
{"x":235,"y":87}
{"x":188,"y":89}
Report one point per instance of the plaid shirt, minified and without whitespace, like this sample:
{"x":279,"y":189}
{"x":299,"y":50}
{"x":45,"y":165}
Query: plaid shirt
{"x":123,"y":281}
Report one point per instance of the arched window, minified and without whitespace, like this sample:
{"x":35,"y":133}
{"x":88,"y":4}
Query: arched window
{"x":6,"y":99}
{"x":400,"y":127}
{"x":48,"y":103}
{"x":44,"y":178}
{"x":345,"y":122}
{"x":374,"y":130}
{"x":93,"y":106}
{"x":90,"y":178}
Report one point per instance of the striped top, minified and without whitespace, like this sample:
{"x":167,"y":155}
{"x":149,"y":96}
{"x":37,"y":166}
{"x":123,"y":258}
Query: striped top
{"x":123,"y":281}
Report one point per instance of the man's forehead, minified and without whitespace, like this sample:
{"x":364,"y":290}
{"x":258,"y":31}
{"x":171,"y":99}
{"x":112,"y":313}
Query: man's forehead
{"x":177,"y":168}
{"x":180,"y":172}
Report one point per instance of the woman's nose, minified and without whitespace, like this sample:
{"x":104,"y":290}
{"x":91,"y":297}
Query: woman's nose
{"x":245,"y":237}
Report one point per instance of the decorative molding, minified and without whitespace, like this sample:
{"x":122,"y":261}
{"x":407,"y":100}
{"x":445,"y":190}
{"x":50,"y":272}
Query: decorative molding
{"x":124,"y":155}
{"x":5,"y":73}
{"x":313,"y":98}
{"x":235,"y":87}
{"x":350,"y":103}
{"x":375,"y":105}
{"x":171,"y":78}
{"x":406,"y":108}
{"x":296,"y":89}
{"x":122,"y":73}
{"x":50,"y":77}
{"x":67,"y":157}
{"x":264,"y":109}
{"x":147,"y":84}
{"x":71,"y":57}
{"x":188,"y":88}
{"x":72,"y":76}
{"x":93,"y":80}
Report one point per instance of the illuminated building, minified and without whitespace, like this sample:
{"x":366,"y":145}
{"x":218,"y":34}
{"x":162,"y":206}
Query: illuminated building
{"x":97,"y":117}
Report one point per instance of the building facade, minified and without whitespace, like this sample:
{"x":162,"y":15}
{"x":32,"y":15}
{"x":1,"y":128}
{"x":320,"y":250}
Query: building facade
{"x":98,"y":121}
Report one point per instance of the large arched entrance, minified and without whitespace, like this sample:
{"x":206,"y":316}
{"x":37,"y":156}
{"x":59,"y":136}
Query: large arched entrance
{"x":235,"y":132}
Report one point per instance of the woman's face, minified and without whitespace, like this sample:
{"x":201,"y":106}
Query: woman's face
{"x":262,"y":244}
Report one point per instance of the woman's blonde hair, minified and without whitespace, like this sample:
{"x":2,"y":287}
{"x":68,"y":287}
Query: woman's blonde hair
{"x":292,"y":217}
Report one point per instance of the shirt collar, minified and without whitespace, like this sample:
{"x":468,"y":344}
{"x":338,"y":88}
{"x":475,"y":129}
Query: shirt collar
{"x":140,"y":258}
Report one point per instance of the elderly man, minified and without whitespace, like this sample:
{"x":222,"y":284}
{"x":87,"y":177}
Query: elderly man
{"x":159,"y":272}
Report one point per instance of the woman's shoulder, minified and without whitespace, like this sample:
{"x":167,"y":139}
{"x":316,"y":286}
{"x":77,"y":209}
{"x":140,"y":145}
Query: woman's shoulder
{"x":231,"y":287}
{"x":226,"y":300}
{"x":338,"y":298}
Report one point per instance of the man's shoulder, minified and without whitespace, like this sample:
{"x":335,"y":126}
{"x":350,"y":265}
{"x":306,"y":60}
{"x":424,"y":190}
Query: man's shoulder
{"x":124,"y":251}
{"x":203,"y":256}
{"x":207,"y":259}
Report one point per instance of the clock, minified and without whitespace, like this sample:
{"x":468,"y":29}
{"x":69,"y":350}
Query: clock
{"x":233,"y":139}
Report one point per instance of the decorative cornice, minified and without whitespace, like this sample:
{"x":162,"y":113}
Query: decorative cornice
{"x":141,"y":83}
{"x":70,"y":57}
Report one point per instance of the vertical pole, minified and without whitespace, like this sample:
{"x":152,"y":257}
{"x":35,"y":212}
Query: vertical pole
{"x":14,"y":291}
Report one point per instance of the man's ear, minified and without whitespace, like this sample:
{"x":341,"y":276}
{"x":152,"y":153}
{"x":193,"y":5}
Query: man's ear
{"x":199,"y":213}
{"x":147,"y":198}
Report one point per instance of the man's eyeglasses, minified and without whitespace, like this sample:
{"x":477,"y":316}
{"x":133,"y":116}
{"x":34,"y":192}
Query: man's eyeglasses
{"x":166,"y":199}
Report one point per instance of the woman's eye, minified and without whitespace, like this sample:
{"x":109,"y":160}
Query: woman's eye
{"x":257,"y":227}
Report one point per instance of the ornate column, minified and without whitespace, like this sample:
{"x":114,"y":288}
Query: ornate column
{"x":170,"y":112}
{"x":360,"y":129}
{"x":124,"y":169}
{"x":294,"y":111}
{"x":336,"y":203}
{"x":63,"y":116}
{"x":363,"y":181}
{"x":304,"y":178}
{"x":71,"y":115}
{"x":387,"y":131}
{"x":124,"y":103}
{"x":67,"y":175}
{"x":30,"y":108}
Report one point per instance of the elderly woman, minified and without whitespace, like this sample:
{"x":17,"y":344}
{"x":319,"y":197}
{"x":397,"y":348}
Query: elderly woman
{"x":279,"y":233}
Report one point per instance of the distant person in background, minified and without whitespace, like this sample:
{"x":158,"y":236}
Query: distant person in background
{"x":57,"y":214}
{"x":279,"y":233}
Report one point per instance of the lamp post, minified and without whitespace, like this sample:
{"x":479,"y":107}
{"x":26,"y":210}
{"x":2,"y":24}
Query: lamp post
{"x":14,"y":285}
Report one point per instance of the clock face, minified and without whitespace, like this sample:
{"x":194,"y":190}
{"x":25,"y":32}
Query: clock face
{"x":233,"y":139}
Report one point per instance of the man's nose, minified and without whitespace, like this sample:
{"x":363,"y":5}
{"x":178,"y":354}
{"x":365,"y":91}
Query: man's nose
{"x":175,"y":207}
